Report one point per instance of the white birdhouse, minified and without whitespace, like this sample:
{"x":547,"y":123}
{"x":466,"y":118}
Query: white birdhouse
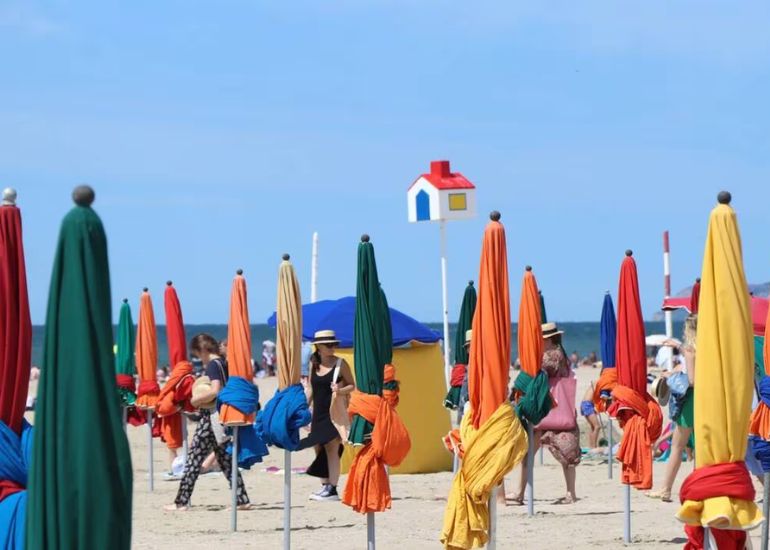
{"x":441,"y":195}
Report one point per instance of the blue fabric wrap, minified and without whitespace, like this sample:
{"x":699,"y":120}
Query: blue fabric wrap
{"x":243,"y":395}
{"x":279,"y":422}
{"x":760,"y":449}
{"x":764,"y":390}
{"x":15,"y":454}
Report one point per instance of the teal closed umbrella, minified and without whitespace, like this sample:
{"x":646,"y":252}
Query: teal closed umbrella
{"x":125,"y":366}
{"x":467,"y":309}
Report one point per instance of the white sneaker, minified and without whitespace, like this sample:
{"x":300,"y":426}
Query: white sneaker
{"x":329,"y":493}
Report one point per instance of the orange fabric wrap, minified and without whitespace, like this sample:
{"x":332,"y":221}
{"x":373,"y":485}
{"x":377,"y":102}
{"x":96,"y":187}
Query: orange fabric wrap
{"x":760,"y":422}
{"x":169,"y":405}
{"x":368,"y":487}
{"x":146,"y":351}
{"x":641,"y":420}
{"x":453,"y":443}
{"x":530,"y":333}
{"x":238,"y":349}
{"x":607,"y":381}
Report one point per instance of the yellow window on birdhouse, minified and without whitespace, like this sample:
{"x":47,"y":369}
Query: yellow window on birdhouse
{"x":458,"y":201}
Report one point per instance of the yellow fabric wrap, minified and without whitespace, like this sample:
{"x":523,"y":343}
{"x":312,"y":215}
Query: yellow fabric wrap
{"x":724,"y":371}
{"x":490,"y":452}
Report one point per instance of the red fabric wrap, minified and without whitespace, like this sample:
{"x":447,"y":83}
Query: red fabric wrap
{"x":126,"y":382}
{"x":148,"y":387}
{"x":725,"y":539}
{"x":642,"y":421}
{"x":8,"y":487}
{"x":458,"y":375}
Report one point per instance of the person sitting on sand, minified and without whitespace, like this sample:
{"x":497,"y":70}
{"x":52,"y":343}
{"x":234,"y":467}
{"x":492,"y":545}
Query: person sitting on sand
{"x":588,"y":411}
{"x":210,"y":433}
{"x":329,"y":376}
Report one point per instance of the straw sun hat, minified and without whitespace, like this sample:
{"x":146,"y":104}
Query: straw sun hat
{"x":468,"y":336}
{"x":550,"y":330}
{"x":661,"y":391}
{"x":325,"y":337}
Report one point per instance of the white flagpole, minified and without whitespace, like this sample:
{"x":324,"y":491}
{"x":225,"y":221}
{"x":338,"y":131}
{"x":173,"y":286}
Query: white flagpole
{"x":445,"y":300}
{"x":314,"y":271}
{"x":234,"y":481}
{"x":149,"y":441}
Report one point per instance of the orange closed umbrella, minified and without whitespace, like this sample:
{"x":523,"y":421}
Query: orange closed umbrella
{"x":238,"y":350}
{"x":147,"y":355}
{"x":492,"y":436}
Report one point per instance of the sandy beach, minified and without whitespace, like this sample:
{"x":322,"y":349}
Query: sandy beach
{"x":416,"y":517}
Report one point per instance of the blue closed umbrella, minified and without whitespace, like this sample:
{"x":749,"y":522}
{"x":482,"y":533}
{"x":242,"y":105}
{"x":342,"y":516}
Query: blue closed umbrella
{"x":608,"y":332}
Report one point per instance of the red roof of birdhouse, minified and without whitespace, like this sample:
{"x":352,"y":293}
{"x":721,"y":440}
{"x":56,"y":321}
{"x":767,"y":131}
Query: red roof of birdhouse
{"x":441,"y":178}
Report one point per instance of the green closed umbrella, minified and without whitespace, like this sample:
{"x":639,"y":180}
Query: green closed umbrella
{"x":125,"y":366}
{"x":373,"y":336}
{"x":467,"y":308}
{"x":80,"y":478}
{"x":543,"y":316}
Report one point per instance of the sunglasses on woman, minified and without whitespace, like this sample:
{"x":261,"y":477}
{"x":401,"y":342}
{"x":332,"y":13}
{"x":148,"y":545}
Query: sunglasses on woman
{"x":330,"y":346}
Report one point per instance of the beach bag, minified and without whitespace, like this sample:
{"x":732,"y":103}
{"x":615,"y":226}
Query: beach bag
{"x":338,"y":410}
{"x":678,"y":383}
{"x":562,"y":416}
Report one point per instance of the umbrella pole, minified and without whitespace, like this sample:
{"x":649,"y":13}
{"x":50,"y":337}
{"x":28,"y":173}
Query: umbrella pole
{"x":627,"y":514}
{"x":286,"y":499}
{"x":445,"y":300}
{"x":609,"y":447}
{"x":124,"y":416}
{"x":531,"y":471}
{"x":766,"y":510}
{"x":151,"y":467}
{"x":541,"y":455}
{"x":314,"y":271}
{"x":184,"y":435}
{"x":492,"y":543}
{"x":234,"y":481}
{"x":370,"y":531}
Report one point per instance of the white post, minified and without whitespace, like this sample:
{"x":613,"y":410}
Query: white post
{"x":286,"y":500}
{"x":667,"y":284}
{"x":627,"y":514}
{"x":766,"y":510}
{"x":185,"y":448}
{"x":530,"y":471}
{"x":370,"y":531}
{"x":445,"y":300}
{"x":149,"y":446}
{"x":314,"y":271}
{"x":492,"y":544}
{"x":541,"y":455}
{"x":234,"y":481}
{"x":609,"y":447}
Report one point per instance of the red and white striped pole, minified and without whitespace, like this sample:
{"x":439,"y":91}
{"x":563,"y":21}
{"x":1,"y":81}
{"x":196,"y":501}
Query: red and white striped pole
{"x":667,"y":283}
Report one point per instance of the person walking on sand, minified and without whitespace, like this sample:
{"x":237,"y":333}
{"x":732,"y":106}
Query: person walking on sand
{"x":686,"y":417}
{"x":331,"y":382}
{"x":210,"y":434}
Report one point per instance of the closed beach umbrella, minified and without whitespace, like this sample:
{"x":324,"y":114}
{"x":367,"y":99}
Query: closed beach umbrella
{"x":695,"y":297}
{"x":608,"y":378}
{"x":376,"y":425}
{"x":719,"y":493}
{"x":15,"y":350}
{"x":531,"y":384}
{"x":80,"y":481}
{"x":125,"y":366}
{"x":544,"y":315}
{"x":147,"y":354}
{"x":491,"y":434}
{"x":467,"y":308}
{"x":176,"y":393}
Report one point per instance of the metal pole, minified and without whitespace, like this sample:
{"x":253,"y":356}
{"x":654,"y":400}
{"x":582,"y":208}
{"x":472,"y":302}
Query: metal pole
{"x":149,"y":441}
{"x":286,"y":500}
{"x":492,"y":544}
{"x":124,"y":416}
{"x":445,"y":300}
{"x":184,"y":435}
{"x":314,"y":271}
{"x":766,"y":510}
{"x":370,"y":531}
{"x":455,"y":456}
{"x":609,"y":448}
{"x":234,"y":481}
{"x":627,"y":514}
{"x":667,"y":284}
{"x":531,"y":471}
{"x":541,"y":455}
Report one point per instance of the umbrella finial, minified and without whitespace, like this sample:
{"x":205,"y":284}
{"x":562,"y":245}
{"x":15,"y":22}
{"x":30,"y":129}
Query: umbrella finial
{"x":239,"y":272}
{"x":125,"y":300}
{"x":528,"y":268}
{"x":724,"y":197}
{"x":629,"y":252}
{"x":145,"y":289}
{"x":364,"y":238}
{"x":697,"y":280}
{"x":169,"y":283}
{"x":9,"y":196}
{"x":607,"y":292}
{"x":83,"y":195}
{"x":470,"y":282}
{"x":286,"y":257}
{"x":494,"y":216}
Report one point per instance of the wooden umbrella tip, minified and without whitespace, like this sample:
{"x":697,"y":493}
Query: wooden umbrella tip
{"x":145,"y":289}
{"x":239,"y":272}
{"x":169,"y":283}
{"x":83,"y":195}
{"x":125,"y":300}
{"x":470,"y":282}
{"x":286,"y":257}
{"x":9,"y":196}
{"x":364,"y":238}
{"x":528,"y":268}
{"x":697,"y":280}
{"x":724,"y":197}
{"x":629,"y":252}
{"x":494,"y":216}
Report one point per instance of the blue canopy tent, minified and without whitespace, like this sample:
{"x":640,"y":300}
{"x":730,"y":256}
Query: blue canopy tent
{"x":339,"y":315}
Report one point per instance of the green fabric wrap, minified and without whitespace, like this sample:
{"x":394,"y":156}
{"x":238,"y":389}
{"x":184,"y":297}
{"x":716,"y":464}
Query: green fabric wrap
{"x":124,"y":358}
{"x":535,"y":401}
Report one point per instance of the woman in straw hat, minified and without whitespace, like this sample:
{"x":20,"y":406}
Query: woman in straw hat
{"x":685,"y":420}
{"x":558,"y":431}
{"x":330,"y":380}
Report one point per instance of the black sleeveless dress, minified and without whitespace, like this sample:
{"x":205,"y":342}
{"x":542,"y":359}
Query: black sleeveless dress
{"x":322,"y":431}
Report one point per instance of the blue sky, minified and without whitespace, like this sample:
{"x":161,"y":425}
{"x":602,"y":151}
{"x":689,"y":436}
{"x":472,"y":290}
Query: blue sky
{"x":220,"y":135}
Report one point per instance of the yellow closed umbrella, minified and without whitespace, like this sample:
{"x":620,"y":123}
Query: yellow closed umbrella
{"x":719,"y":493}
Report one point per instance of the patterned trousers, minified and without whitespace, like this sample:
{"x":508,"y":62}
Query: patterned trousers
{"x":203,"y":443}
